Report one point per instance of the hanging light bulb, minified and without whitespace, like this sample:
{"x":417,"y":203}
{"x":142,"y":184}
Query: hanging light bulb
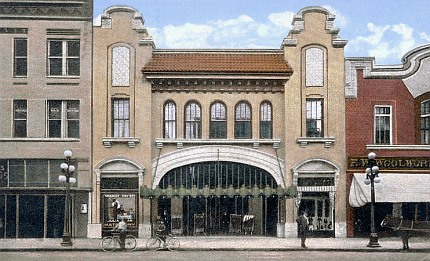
{"x":377,"y":179}
{"x":367,"y":181}
{"x":62,"y":178}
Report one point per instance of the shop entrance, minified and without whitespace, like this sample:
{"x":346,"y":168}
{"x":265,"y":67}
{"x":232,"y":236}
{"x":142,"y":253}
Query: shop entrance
{"x":320,"y":214}
{"x":119,"y":201}
{"x":235,"y":210}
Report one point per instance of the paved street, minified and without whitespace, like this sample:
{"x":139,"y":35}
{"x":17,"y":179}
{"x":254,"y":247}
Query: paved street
{"x":215,"y":255}
{"x":229,"y":243}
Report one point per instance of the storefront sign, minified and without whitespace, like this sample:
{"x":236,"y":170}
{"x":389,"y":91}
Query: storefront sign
{"x":119,"y":206}
{"x":392,"y":163}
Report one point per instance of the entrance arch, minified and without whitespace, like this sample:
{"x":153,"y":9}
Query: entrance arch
{"x":316,"y":181}
{"x":274,"y":166}
{"x":118,"y":182}
{"x":223,"y":178}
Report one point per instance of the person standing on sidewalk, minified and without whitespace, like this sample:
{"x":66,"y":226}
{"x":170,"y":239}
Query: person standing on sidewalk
{"x":122,"y":228}
{"x":303,"y":223}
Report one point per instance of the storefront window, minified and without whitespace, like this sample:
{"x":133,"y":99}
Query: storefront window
{"x":118,"y":206}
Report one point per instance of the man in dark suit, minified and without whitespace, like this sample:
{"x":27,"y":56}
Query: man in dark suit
{"x":303,"y":224}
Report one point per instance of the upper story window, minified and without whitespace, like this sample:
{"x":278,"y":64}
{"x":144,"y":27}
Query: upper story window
{"x":63,"y":57}
{"x":120,"y":66}
{"x":20,"y":57}
{"x":193,"y":121}
{"x":30,"y":173}
{"x":243,"y":124}
{"x":314,"y":118}
{"x":314,"y":66}
{"x":266,"y":125}
{"x":425,"y":122}
{"x":218,"y":124}
{"x":170,"y":120}
{"x":121,"y":118}
{"x":63,"y":119}
{"x":20,"y":118}
{"x":383,"y":123}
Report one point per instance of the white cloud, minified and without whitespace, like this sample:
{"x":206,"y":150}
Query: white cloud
{"x":384,"y":42}
{"x":425,"y":37}
{"x":282,"y":20}
{"x":407,"y":39}
{"x":340,"y":20}
{"x":186,"y":36}
{"x":240,"y":32}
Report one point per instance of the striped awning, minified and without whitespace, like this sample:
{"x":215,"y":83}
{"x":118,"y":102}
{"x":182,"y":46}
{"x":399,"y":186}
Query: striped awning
{"x":394,"y":188}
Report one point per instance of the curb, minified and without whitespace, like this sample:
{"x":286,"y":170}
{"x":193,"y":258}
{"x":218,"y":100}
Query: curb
{"x":419,"y":250}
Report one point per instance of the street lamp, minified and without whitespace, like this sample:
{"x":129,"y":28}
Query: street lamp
{"x":372,"y":177}
{"x":67,"y":169}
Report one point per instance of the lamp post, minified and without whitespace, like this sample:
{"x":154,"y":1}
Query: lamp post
{"x":372,"y":177}
{"x":67,"y":169}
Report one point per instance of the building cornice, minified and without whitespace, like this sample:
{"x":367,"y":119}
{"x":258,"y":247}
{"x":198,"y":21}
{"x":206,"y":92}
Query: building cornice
{"x":47,"y":10}
{"x":412,"y":62}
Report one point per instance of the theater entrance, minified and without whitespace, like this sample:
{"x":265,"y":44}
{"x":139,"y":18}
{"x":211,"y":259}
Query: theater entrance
{"x":219,"y":198}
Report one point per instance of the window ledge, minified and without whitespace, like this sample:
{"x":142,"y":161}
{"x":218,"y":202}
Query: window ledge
{"x":255,"y":143}
{"x":304,"y":141}
{"x":40,"y":139}
{"x":397,"y":147}
{"x":131,"y":142}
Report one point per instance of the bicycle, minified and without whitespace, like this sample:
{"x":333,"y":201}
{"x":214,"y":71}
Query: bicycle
{"x":112,"y":243}
{"x":171,"y":243}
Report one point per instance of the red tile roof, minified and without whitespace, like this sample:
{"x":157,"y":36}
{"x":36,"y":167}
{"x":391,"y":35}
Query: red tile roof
{"x":218,"y":62}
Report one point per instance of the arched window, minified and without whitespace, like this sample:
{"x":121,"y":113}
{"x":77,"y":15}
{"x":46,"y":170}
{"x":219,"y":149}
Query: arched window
{"x":314,"y":67}
{"x":193,"y":121}
{"x":218,"y":125}
{"x":266,"y":125}
{"x":242,"y":124}
{"x":120,"y":66}
{"x":425,"y":122}
{"x":170,"y":120}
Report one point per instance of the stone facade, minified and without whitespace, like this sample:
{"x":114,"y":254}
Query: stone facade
{"x":45,"y":109}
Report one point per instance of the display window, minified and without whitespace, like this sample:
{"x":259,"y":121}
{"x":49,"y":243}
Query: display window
{"x":119,"y":206}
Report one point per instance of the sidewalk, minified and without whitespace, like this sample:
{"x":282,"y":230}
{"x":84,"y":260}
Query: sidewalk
{"x":229,"y":243}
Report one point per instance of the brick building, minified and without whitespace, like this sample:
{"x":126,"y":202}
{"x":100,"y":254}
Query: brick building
{"x":387,"y":112}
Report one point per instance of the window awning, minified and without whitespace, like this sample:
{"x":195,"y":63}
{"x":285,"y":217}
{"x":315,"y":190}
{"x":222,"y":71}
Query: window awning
{"x":394,"y":188}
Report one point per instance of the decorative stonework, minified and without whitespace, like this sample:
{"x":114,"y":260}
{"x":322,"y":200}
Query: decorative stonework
{"x":137,"y":21}
{"x":299,"y":27}
{"x":48,"y":9}
{"x":314,"y":67}
{"x":106,"y":23}
{"x":164,"y":84}
{"x":121,"y":66}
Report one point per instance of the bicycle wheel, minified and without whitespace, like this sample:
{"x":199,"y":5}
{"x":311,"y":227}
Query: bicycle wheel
{"x":108,"y":243}
{"x":173,"y":243}
{"x":152,"y":243}
{"x":130,"y":243}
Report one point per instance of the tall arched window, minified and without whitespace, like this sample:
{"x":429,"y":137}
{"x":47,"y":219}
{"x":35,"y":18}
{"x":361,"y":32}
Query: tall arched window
{"x":193,"y":121}
{"x":218,"y":125}
{"x":266,"y":125}
{"x":120,"y":66}
{"x":170,"y":120}
{"x":242,"y":124}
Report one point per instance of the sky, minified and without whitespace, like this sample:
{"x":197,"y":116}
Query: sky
{"x":384,"y":29}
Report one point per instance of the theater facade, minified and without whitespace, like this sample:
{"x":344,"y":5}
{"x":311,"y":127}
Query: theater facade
{"x":218,"y":141}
